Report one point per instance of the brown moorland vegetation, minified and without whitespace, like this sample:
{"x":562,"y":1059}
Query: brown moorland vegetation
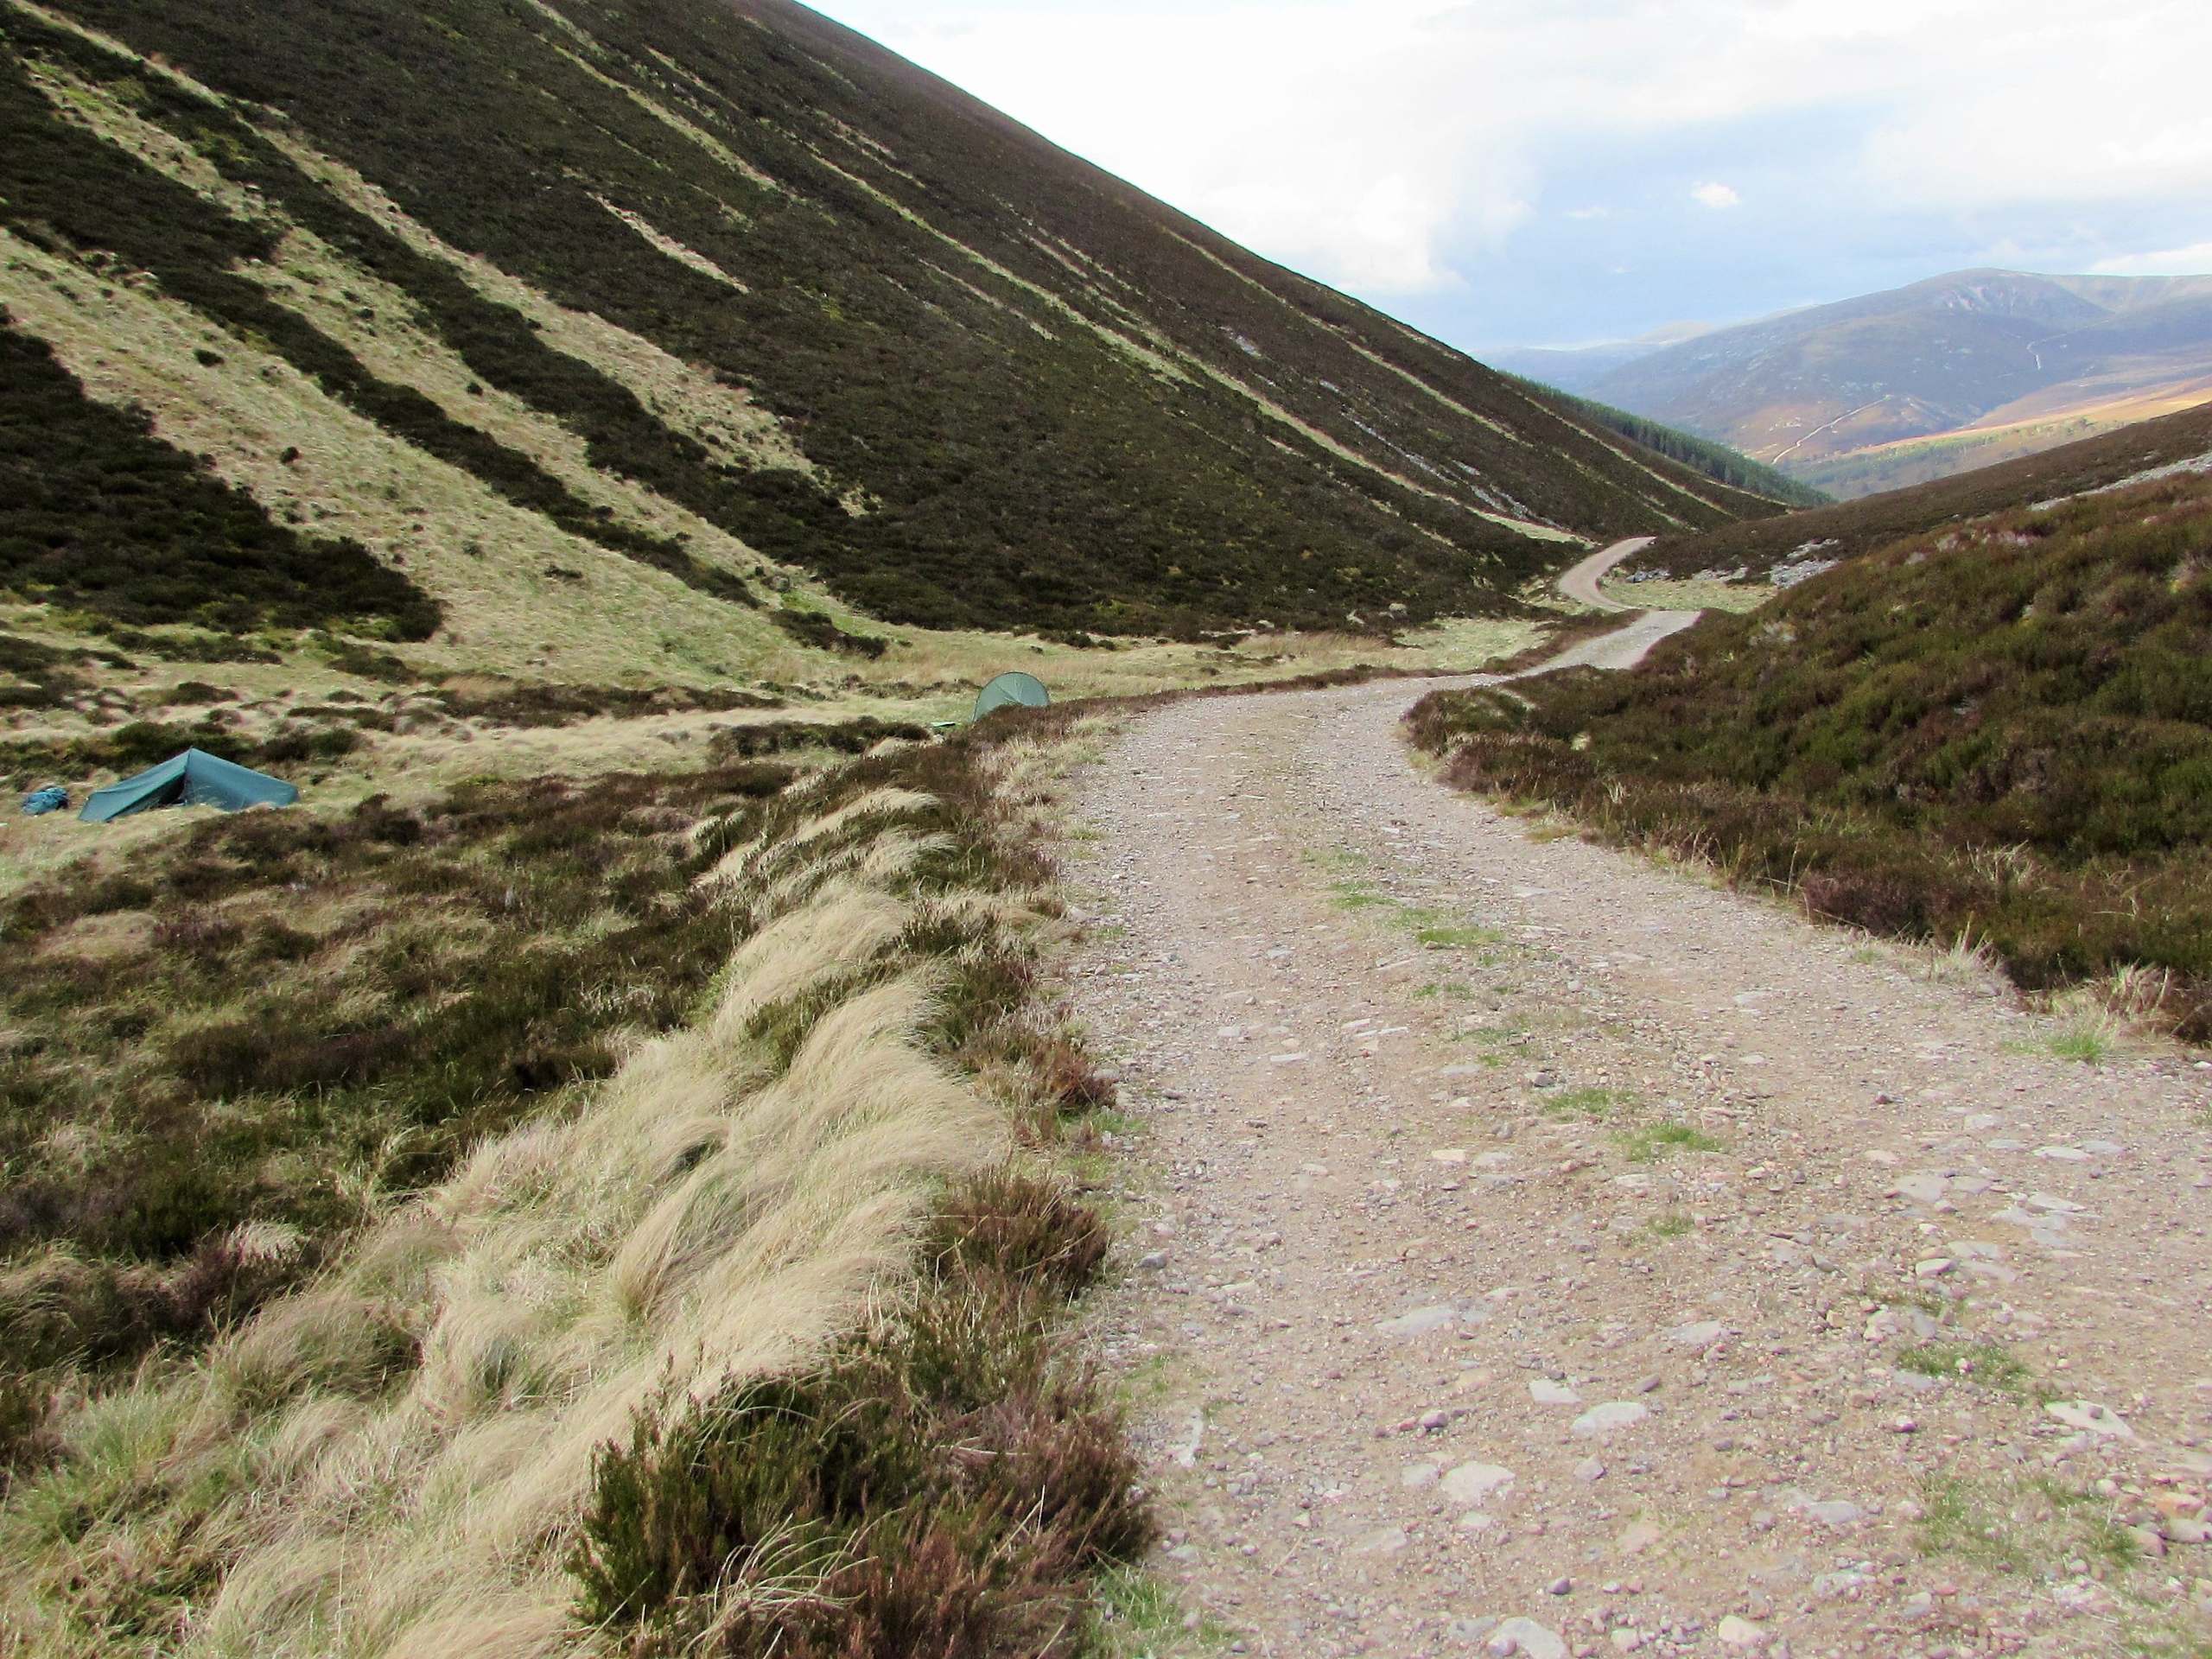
{"x":1999,"y":729}
{"x":1849,"y":527}
{"x":716,"y":1258}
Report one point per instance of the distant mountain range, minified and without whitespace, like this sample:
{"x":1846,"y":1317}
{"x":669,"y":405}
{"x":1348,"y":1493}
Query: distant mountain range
{"x":1915,"y":382}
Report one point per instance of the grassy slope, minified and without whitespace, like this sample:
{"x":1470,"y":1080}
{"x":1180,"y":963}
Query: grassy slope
{"x":1852,"y":527}
{"x":1017,"y":391}
{"x":1999,"y":726}
{"x":103,"y":516}
{"x":464,"y":1289}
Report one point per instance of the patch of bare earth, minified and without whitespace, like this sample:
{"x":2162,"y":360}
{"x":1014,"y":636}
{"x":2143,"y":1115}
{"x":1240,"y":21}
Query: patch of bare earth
{"x":1533,"y":1250}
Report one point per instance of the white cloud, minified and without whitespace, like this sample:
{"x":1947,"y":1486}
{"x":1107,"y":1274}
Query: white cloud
{"x":1396,"y":146}
{"x":2196,"y":260}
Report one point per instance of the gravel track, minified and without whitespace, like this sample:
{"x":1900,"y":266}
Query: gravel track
{"x":1439,"y":1346}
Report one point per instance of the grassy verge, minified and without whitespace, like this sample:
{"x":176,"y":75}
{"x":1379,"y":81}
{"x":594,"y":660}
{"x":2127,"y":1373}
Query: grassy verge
{"x":747,"y":1343}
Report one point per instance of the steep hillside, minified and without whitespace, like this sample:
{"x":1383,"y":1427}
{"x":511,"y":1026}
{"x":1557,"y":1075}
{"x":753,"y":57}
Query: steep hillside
{"x":573,"y":311}
{"x":1998,"y":728}
{"x":1805,"y":540}
{"x":1921,"y":382}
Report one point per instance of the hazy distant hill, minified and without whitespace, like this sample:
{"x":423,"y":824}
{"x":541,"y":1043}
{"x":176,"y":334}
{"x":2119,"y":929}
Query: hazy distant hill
{"x":1922,"y":382}
{"x":575,"y":312}
{"x":1581,"y":368}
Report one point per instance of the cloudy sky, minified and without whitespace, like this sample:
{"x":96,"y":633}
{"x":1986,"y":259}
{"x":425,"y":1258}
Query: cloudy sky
{"x":1525,"y":172}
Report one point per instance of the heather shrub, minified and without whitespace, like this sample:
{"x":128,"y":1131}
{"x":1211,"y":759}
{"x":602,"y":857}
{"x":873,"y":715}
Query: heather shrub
{"x":942,"y":1483}
{"x":2000,"y":728}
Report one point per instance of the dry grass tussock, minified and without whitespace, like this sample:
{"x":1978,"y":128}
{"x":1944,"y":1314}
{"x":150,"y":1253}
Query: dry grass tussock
{"x":394,"y":1461}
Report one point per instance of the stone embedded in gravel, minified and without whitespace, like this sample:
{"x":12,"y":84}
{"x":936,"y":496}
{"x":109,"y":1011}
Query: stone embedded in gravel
{"x":1614,"y":1414}
{"x":1545,"y":1392}
{"x":1636,"y":1537}
{"x":1528,"y":1639}
{"x":1703,"y":1334}
{"x":1153,"y":1260}
{"x":1470,"y":1483}
{"x":1420,"y":1322}
{"x":1736,"y":1633}
{"x":1829,"y":1512}
{"x":2100,"y":1420}
{"x":1415,"y":1476}
{"x":1589,"y":1471}
{"x":1385,"y":1540}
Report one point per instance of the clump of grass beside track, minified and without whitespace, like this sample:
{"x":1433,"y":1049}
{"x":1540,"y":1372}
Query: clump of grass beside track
{"x":594,"y":1382}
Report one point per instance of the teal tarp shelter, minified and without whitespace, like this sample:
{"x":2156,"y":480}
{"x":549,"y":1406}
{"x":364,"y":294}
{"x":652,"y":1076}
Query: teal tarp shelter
{"x":1027,"y":689}
{"x":189,"y":779}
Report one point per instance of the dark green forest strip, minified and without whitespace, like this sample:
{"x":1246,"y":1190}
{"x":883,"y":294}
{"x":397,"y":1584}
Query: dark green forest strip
{"x":1716,"y":460}
{"x":2001,"y":729}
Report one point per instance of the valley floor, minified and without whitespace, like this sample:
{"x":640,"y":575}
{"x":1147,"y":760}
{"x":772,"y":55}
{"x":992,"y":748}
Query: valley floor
{"x":1536,"y":1250}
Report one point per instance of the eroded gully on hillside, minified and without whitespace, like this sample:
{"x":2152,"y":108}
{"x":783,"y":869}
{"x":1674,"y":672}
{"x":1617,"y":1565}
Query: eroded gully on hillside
{"x":1435,"y":1349}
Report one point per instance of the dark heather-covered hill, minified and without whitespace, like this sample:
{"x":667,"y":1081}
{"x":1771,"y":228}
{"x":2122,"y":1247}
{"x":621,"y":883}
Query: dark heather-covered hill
{"x":1808,"y":540}
{"x":1997,"y":727}
{"x":574,"y":311}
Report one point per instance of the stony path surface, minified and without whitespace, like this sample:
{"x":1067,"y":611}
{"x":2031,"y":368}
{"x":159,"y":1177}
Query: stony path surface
{"x":1584,"y":581}
{"x":1531,"y":1248}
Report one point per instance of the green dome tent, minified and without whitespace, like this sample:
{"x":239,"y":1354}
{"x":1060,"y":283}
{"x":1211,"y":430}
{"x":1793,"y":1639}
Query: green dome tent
{"x":188,"y":780}
{"x":1017,"y":688}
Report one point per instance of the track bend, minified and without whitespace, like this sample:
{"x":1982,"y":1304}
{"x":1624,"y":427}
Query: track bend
{"x":1437,"y":1348}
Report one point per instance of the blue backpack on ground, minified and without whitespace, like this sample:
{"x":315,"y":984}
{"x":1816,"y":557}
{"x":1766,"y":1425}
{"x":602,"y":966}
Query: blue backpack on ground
{"x":40,"y":802}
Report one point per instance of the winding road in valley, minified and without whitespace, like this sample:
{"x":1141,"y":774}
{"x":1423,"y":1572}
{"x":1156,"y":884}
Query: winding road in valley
{"x":1534,"y":1250}
{"x":1584,"y":581}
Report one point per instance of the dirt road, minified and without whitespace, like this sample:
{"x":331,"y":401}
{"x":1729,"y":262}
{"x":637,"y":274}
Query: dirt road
{"x":1582,"y":580}
{"x":1535,"y":1251}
